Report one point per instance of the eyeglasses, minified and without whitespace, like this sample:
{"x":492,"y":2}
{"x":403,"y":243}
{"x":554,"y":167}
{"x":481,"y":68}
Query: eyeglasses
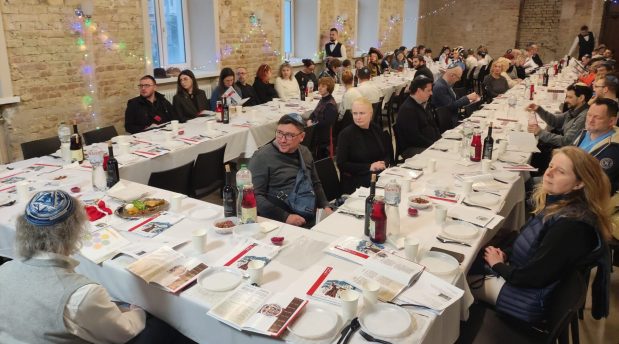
{"x":145,"y":85}
{"x":288,"y":136}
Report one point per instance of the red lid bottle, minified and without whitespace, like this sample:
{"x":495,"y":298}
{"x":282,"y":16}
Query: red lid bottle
{"x":378,"y":221}
{"x":476,"y":147}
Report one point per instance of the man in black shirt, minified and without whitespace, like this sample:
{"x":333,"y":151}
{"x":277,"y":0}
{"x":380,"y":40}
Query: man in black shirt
{"x":149,"y":109}
{"x":415,"y":126}
{"x":419,"y":63}
{"x":246,"y":90}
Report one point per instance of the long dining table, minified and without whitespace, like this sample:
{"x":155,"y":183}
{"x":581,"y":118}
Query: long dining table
{"x":303,"y":249}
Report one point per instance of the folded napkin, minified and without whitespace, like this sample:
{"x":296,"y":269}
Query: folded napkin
{"x":126,"y":192}
{"x":96,"y":212}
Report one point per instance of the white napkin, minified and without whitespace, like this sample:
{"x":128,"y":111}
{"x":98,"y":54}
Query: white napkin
{"x":126,"y":191}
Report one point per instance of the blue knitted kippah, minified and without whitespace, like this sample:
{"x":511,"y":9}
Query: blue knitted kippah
{"x":47,"y":208}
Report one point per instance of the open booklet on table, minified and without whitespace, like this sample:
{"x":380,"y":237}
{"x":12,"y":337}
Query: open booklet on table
{"x":246,"y":251}
{"x":258,"y":310}
{"x":167,"y":268}
{"x":102,"y":243}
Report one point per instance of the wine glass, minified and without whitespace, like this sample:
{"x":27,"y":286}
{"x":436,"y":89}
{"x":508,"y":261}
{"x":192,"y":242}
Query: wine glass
{"x":512,"y":101}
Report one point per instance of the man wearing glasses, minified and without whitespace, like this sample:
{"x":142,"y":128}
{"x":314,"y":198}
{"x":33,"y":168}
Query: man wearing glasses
{"x":275,"y":169}
{"x":605,"y":87}
{"x":149,"y":109}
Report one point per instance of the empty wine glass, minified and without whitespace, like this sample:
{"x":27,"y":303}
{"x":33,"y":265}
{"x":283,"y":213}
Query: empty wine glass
{"x":512,"y":101}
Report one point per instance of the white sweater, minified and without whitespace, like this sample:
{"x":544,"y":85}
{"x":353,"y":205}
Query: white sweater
{"x":287,"y":89}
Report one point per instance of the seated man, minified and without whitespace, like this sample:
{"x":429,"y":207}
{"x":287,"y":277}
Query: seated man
{"x":444,"y":95}
{"x":605,"y":87}
{"x":367,"y":89}
{"x":150,"y":108}
{"x":245,"y":90}
{"x":415,"y":126}
{"x":419,"y":63}
{"x":43,"y":300}
{"x":601,"y":138}
{"x":276,"y":170}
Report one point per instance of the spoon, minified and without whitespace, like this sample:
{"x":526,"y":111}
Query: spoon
{"x":8,"y":204}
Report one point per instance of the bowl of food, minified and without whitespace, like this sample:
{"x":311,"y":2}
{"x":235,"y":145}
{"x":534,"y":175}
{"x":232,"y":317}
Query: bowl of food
{"x":225,"y":225}
{"x":419,"y":202}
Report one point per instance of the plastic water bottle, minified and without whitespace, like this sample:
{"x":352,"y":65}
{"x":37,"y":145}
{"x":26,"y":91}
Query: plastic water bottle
{"x":392,"y":192}
{"x":64,"y":134}
{"x":243,"y":177}
{"x":392,"y":209}
{"x":310,"y":89}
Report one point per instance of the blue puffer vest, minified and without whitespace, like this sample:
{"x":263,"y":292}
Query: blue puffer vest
{"x":528,"y":304}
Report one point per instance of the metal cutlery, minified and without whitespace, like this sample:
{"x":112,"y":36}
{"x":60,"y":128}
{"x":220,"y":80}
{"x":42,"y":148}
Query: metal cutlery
{"x":500,"y":181}
{"x":349,"y":331}
{"x":475,"y":205}
{"x":451,"y":241}
{"x":409,"y":305}
{"x":8,"y":204}
{"x":488,"y":192}
{"x":411,"y":168}
{"x":439,"y":149}
{"x":53,"y":156}
{"x":457,"y":219}
{"x":370,"y":338}
{"x":357,"y":216}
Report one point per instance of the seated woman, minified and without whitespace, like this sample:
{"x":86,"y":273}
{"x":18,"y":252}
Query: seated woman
{"x":306,"y":74}
{"x":189,"y":100}
{"x":350,"y":95}
{"x":226,"y":80}
{"x":44,"y":300}
{"x":361,"y":149}
{"x":263,"y":87}
{"x":495,"y":83}
{"x":332,"y":67}
{"x":323,"y":118}
{"x":571,"y":221}
{"x":358,"y":65}
{"x":399,"y":62}
{"x":285,"y":85}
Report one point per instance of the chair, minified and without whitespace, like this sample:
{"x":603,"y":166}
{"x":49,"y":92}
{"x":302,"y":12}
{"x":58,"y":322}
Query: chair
{"x":208,"y":172}
{"x":341,"y":125}
{"x":325,"y":168}
{"x":308,"y":140}
{"x":100,"y":135}
{"x":388,"y":112}
{"x":37,"y":148}
{"x":444,"y":119}
{"x":470,"y":108}
{"x":377,"y":109}
{"x":176,"y":179}
{"x":486,"y":325}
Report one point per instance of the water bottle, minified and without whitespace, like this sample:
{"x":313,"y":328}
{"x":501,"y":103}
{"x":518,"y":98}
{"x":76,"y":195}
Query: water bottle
{"x":243,"y":177}
{"x":310,"y":89}
{"x":392,"y":208}
{"x":64,"y":134}
{"x":392,"y":192}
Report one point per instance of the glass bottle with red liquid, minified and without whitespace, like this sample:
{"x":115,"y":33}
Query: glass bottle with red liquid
{"x":249,"y":209}
{"x":378,"y":221}
{"x":476,"y":147}
{"x":219,"y":108}
{"x":531,"y":91}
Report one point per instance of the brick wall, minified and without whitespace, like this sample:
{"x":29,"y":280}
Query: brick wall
{"x":391,"y":19}
{"x":347,"y":11}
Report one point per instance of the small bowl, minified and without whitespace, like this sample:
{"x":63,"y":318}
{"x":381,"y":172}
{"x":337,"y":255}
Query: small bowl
{"x":225,"y":230}
{"x":419,"y":202}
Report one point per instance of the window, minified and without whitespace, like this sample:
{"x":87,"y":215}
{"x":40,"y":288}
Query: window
{"x":169,"y":36}
{"x":288,"y":25}
{"x":367,"y":25}
{"x":305,"y":28}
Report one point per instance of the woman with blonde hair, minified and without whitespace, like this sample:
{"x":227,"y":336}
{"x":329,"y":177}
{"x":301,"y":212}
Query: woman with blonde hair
{"x":496,"y":82}
{"x":285,"y":85}
{"x":571,"y":222}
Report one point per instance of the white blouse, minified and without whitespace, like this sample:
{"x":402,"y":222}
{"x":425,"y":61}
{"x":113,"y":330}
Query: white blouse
{"x":287,"y":89}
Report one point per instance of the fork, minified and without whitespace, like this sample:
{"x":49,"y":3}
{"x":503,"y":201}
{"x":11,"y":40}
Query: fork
{"x":475,"y":205}
{"x":357,"y":216}
{"x":369,"y":338}
{"x":8,"y":204}
{"x":451,"y":241}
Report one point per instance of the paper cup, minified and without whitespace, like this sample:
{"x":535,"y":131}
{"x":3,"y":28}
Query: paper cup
{"x":255,"y":269}
{"x":209,"y":126}
{"x":123,"y":148}
{"x":411,"y":248}
{"x":239,"y":109}
{"x":176,"y":202}
{"x":23,"y":191}
{"x":440,"y":214}
{"x":174,"y":126}
{"x":122,"y":138}
{"x":370,"y":292}
{"x":350,"y":300}
{"x":486,"y":165}
{"x":455,"y":146}
{"x":502,"y":147}
{"x":65,"y":152}
{"x":198,"y":240}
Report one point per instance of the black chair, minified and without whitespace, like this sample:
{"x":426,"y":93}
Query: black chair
{"x":444,"y":119}
{"x":377,"y":109}
{"x":341,"y":125}
{"x":325,"y":168}
{"x":100,"y":135}
{"x":486,"y":325}
{"x":387,"y":112}
{"x":176,"y":179}
{"x":37,"y":148}
{"x":308,"y":140}
{"x":388,"y":142}
{"x":470,"y":108}
{"x":208,"y":173}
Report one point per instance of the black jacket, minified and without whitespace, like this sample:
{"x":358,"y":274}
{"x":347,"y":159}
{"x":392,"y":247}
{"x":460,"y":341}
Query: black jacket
{"x":141,"y":113}
{"x":185,"y":106}
{"x":247,"y":91}
{"x":425,"y":71}
{"x":415,"y":125}
{"x":265,"y":92}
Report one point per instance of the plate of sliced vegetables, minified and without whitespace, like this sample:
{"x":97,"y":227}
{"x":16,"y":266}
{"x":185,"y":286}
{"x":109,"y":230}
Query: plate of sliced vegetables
{"x":142,"y":207}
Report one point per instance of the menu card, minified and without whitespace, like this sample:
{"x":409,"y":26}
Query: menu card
{"x":354,"y":249}
{"x":243,"y":253}
{"x":328,"y":285}
{"x":432,"y":292}
{"x":102,"y":244}
{"x":257,"y":310}
{"x":167,"y":268}
{"x":151,"y":226}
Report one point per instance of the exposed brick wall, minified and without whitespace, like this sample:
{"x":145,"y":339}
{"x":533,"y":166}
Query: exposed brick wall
{"x":390,"y":34}
{"x":45,"y":61}
{"x":539,"y":23}
{"x":329,"y":11}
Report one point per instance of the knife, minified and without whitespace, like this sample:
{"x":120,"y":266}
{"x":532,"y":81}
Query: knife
{"x":457,"y":219}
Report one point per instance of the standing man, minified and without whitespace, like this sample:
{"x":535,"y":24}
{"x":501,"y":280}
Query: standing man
{"x":246,"y":90}
{"x":585,"y":42}
{"x":444,"y":95}
{"x":335,"y":48}
{"x":601,"y":138}
{"x":149,"y":109}
{"x":415,"y":126}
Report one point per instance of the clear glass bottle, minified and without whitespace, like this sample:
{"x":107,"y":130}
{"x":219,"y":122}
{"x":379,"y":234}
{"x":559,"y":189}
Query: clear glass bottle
{"x":249,"y":208}
{"x":243,"y":177}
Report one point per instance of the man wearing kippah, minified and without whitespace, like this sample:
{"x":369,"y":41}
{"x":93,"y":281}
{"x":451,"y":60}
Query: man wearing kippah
{"x":280,"y":169}
{"x":43,"y":300}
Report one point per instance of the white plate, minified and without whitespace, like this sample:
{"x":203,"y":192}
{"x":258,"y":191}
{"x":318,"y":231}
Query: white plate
{"x":248,"y":230}
{"x":505,"y":176}
{"x":386,"y":320}
{"x":452,"y":135}
{"x":315,"y":323}
{"x":439,"y":263}
{"x":513,"y":157}
{"x":220,"y":279}
{"x":355,"y":204}
{"x":460,"y":230}
{"x":417,"y":164}
{"x":203,"y":214}
{"x":483,"y":198}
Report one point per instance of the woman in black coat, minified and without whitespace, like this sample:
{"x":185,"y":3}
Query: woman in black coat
{"x":265,"y":90}
{"x":189,"y":100}
{"x":323,"y":118}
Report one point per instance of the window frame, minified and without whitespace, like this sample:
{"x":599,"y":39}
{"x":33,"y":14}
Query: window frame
{"x":291,"y":53}
{"x":162,"y":37}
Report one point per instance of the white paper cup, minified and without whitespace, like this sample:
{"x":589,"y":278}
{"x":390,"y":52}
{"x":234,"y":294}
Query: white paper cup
{"x":411,"y":248}
{"x":467,"y":187}
{"x":486,"y":165}
{"x":174,"y":126}
{"x":176,"y":202}
{"x":122,"y":138}
{"x":198,"y":240}
{"x":370,"y":292}
{"x":455,"y":146}
{"x":239,"y":109}
{"x":350,"y":300}
{"x":123,"y":148}
{"x":431,"y":166}
{"x":23,"y":191}
{"x":209,"y":126}
{"x":255,"y":269}
{"x":440,"y":214}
